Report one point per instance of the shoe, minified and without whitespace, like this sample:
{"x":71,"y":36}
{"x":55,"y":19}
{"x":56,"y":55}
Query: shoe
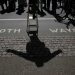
{"x":64,"y":17}
{"x":34,"y":16}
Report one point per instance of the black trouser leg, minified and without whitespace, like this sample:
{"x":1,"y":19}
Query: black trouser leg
{"x":41,"y":5}
{"x":48,"y":4}
{"x":54,"y":6}
{"x":44,"y":2}
{"x":34,"y":8}
{"x":6,"y":3}
{"x":69,"y":7}
{"x":14,"y":5}
{"x":2,"y":6}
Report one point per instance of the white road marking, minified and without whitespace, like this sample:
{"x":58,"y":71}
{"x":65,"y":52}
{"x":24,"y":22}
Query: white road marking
{"x":26,"y":19}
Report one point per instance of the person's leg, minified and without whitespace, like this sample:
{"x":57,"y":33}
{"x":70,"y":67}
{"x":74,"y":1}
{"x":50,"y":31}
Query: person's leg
{"x":68,"y":9}
{"x":6,"y":3}
{"x":41,"y":4}
{"x":2,"y":2}
{"x":30,"y":1}
{"x":25,"y":3}
{"x":48,"y":4}
{"x":9,"y":4}
{"x":54,"y":6}
{"x":34,"y":8}
{"x":44,"y":2}
{"x":14,"y":4}
{"x":2,"y":6}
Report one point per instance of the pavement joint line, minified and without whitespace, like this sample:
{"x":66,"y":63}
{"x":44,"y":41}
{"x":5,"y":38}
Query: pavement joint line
{"x":26,"y":19}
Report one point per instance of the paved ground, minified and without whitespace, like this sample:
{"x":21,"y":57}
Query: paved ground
{"x":51,"y":52}
{"x":36,"y":46}
{"x":20,"y":66}
{"x":46,"y":28}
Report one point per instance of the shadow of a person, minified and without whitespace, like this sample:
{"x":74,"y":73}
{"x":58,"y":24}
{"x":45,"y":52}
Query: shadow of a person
{"x":36,"y":52}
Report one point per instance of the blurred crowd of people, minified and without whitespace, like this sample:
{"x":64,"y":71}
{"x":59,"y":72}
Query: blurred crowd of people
{"x":10,"y":5}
